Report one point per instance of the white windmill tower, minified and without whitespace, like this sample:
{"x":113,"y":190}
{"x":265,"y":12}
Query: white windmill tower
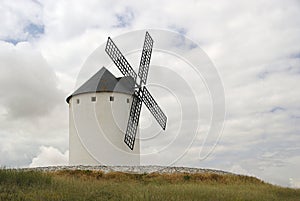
{"x":105,"y":108}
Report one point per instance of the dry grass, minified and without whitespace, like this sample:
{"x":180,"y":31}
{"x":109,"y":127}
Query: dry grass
{"x":97,"y":185}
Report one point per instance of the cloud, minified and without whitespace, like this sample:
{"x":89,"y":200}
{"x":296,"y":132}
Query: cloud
{"x":28,"y":85}
{"x":125,"y":19}
{"x":50,"y":156}
{"x":22,"y":20}
{"x":30,"y":104}
{"x":294,"y":183}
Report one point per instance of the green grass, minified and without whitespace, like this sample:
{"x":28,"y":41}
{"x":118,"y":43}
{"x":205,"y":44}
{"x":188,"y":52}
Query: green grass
{"x":95,"y":185}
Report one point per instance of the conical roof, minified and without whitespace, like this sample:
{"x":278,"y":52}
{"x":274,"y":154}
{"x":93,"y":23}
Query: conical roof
{"x":105,"y":81}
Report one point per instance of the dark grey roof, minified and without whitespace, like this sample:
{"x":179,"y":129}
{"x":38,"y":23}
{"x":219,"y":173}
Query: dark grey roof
{"x":105,"y":81}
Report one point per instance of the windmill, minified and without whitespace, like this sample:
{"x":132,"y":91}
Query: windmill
{"x":105,"y":107}
{"x":141,"y":93}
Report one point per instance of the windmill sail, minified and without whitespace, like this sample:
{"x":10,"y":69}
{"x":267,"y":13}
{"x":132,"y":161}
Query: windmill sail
{"x":119,"y":59}
{"x":145,"y":58}
{"x":133,"y":120}
{"x":151,"y":104}
{"x":141,"y":94}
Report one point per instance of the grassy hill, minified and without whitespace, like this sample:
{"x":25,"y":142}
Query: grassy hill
{"x":97,"y":185}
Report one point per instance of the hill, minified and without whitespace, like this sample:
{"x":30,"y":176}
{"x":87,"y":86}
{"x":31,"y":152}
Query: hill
{"x":129,"y":183}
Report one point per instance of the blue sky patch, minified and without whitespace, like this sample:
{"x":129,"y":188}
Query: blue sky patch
{"x":180,"y":30}
{"x":13,"y":41}
{"x":263,"y":75}
{"x":296,"y":55}
{"x":34,"y":30}
{"x":277,"y":109}
{"x":182,"y":42}
{"x":31,"y":31}
{"x":125,"y":19}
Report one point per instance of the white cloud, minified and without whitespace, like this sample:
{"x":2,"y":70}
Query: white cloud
{"x":19,"y":19}
{"x":294,"y":183}
{"x":50,"y":156}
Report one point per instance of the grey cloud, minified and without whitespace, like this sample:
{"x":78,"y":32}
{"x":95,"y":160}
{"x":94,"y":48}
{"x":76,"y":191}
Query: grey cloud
{"x":28,"y":85}
{"x":31,"y":103}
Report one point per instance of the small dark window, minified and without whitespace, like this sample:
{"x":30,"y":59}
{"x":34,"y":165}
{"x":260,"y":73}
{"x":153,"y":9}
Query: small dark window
{"x":127,"y":100}
{"x":111,"y":98}
{"x":93,"y":98}
{"x":77,"y":101}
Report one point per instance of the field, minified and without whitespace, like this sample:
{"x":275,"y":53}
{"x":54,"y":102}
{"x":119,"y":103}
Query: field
{"x":96,"y":185}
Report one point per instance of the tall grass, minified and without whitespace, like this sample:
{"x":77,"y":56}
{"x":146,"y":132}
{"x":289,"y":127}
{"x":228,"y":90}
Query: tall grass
{"x":96,"y":185}
{"x":21,"y":178}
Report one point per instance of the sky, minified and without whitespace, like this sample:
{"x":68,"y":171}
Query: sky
{"x":253,"y":45}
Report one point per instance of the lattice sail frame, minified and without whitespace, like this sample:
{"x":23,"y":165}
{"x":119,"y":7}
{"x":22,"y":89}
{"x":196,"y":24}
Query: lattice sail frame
{"x":151,"y":104}
{"x":118,"y":58}
{"x":145,"y":59}
{"x":133,"y":120}
{"x":141,"y":94}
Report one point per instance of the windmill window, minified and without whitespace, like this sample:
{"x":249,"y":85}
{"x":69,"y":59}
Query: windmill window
{"x":111,"y":98}
{"x":93,"y":98}
{"x":77,"y":101}
{"x":127,"y":100}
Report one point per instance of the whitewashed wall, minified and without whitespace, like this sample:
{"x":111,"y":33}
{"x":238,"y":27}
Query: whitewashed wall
{"x":97,"y":130}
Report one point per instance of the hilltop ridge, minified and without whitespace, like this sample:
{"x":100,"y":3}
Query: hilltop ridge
{"x":130,"y":169}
